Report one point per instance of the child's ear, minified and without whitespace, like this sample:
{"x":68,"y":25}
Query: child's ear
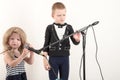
{"x":52,"y":15}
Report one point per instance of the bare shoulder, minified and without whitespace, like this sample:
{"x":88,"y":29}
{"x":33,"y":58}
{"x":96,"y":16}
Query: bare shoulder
{"x":7,"y":57}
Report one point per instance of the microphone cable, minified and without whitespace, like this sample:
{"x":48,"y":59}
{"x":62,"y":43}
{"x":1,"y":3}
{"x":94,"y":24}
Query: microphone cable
{"x":97,"y":54}
{"x":4,"y":51}
{"x":39,"y":53}
{"x":96,"y":57}
{"x":51,"y":68}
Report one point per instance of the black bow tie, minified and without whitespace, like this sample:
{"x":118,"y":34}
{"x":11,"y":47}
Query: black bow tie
{"x":60,"y":25}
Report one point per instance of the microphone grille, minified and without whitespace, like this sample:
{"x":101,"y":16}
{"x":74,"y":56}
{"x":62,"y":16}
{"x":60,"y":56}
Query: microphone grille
{"x":26,"y":45}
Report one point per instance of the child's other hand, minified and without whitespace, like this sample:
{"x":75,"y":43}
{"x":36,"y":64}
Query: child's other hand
{"x":77,"y":37}
{"x":46,"y":64}
{"x":31,"y":52}
{"x":27,"y":45}
{"x":25,"y":52}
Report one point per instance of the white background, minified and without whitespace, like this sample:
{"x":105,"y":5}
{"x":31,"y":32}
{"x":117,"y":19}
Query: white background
{"x":34,"y":15}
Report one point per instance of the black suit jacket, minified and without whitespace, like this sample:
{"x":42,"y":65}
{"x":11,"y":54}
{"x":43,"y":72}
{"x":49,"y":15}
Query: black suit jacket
{"x":59,"y":49}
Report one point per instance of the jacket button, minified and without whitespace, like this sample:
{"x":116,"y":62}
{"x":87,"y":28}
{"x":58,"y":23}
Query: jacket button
{"x":60,"y":44}
{"x":59,"y":48}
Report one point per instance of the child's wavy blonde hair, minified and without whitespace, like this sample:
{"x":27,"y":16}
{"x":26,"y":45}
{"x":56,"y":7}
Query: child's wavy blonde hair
{"x":7,"y":35}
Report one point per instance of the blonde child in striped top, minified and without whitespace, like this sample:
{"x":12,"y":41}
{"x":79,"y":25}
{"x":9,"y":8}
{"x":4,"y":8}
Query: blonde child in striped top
{"x":15,"y":55}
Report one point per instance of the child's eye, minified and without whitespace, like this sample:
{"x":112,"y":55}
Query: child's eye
{"x":18,"y":39}
{"x":64,"y":15}
{"x":12,"y":38}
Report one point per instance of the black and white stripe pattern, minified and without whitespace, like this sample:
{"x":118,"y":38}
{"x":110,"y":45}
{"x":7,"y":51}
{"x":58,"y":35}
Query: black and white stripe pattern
{"x":15,"y":70}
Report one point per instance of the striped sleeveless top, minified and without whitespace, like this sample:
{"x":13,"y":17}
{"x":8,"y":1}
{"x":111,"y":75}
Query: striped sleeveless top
{"x":18,"y":69}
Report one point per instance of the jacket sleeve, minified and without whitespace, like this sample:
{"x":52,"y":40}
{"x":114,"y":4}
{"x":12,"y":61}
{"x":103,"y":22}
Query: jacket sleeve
{"x":47,"y":39}
{"x":70,"y":32}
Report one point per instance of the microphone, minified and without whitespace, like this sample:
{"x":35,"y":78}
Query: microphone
{"x":32,"y":49}
{"x":95,"y":23}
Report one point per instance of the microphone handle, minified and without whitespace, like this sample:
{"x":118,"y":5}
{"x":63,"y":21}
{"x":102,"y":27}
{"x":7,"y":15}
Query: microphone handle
{"x":32,"y":49}
{"x":37,"y":51}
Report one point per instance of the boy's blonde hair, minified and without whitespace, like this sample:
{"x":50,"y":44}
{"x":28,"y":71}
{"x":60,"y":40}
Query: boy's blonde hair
{"x":58,"y":5}
{"x":9,"y":32}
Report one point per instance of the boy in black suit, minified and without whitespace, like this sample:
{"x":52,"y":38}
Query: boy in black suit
{"x":59,"y":53}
